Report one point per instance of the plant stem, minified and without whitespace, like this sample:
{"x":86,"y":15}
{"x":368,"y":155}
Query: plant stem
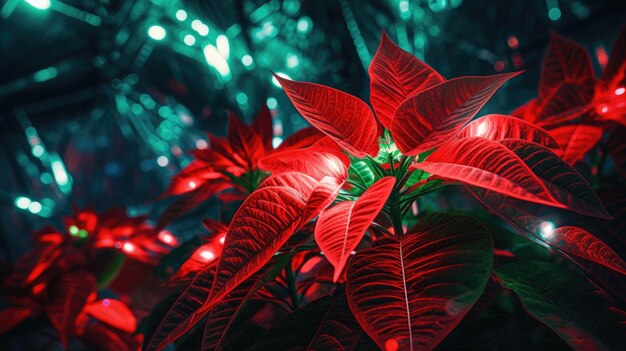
{"x":293,"y":289}
{"x":396,"y":219}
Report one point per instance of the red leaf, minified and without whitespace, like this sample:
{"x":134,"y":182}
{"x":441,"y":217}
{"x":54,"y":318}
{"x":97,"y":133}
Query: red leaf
{"x":263,"y":223}
{"x":615,"y":69}
{"x":565,"y":103}
{"x":581,"y":243}
{"x":184,"y":313}
{"x":224,"y":313}
{"x":565,"y":62}
{"x":576,"y":140}
{"x":66,"y":298}
{"x":244,"y":141}
{"x":340,"y":228}
{"x":427,"y":281}
{"x":431,"y":117}
{"x":102,"y":337}
{"x":498,"y":127}
{"x":263,"y":126}
{"x":394,"y":76}
{"x":190,"y":178}
{"x":486,"y":164}
{"x":201,"y":259}
{"x":316,"y":164}
{"x":562,"y":180}
{"x":191,"y":200}
{"x":305,"y":137}
{"x":341,"y":116}
{"x":114,"y":313}
{"x":13,"y":316}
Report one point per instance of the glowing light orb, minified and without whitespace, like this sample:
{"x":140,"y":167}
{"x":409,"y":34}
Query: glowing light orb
{"x":39,"y":4}
{"x":22,"y":202}
{"x":247,"y":60}
{"x":482,"y":129}
{"x":620,"y":91}
{"x":181,"y":15}
{"x":35,"y":207}
{"x":162,"y":161}
{"x":128,"y":247}
{"x":547,"y":230}
{"x":207,"y":255}
{"x":604,"y":109}
{"x":166,"y":237}
{"x":391,"y":345}
{"x":157,"y":32}
{"x":189,"y":40}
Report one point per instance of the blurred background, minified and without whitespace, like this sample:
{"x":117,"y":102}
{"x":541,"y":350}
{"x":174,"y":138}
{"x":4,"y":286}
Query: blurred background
{"x":100,"y":101}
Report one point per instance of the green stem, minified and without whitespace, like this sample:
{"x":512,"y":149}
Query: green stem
{"x":111,"y":270}
{"x":396,"y":219}
{"x":293,"y":289}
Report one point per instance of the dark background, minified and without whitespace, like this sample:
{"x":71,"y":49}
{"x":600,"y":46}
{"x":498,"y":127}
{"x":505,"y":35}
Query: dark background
{"x":95,"y":112}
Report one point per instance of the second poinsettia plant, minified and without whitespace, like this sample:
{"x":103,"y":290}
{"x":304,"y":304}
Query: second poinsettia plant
{"x":401,"y":279}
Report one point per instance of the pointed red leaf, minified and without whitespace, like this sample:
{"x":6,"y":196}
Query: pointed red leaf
{"x":508,"y":210}
{"x":427,"y":281}
{"x":394,"y":76}
{"x":190,"y":178}
{"x":431,"y":117}
{"x":576,"y":140}
{"x":498,"y":127}
{"x":13,"y":316}
{"x":305,"y":137}
{"x":616,"y":67}
{"x":564,"y":62}
{"x":567,"y":102}
{"x":340,"y":228}
{"x":226,"y":311}
{"x":114,"y":313}
{"x":263,"y":126}
{"x":316,"y":164}
{"x":581,"y":243}
{"x":245,"y":141}
{"x":562,"y":180}
{"x":102,"y":337}
{"x":191,"y":200}
{"x":184,"y":314}
{"x":322,"y":195}
{"x":66,"y":298}
{"x":486,"y":164}
{"x":341,"y":116}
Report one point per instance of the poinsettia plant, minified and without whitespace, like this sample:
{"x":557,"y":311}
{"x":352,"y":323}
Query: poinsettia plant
{"x":63,"y":276}
{"x":393,"y":275}
{"x":229,"y":168}
{"x":575,"y":106}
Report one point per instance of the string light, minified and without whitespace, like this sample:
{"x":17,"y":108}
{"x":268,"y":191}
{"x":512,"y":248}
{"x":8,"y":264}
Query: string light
{"x":157,"y":32}
{"x":181,"y":15}
{"x":546,"y":229}
{"x":189,"y":39}
{"x":207,"y":255}
{"x":39,"y":4}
